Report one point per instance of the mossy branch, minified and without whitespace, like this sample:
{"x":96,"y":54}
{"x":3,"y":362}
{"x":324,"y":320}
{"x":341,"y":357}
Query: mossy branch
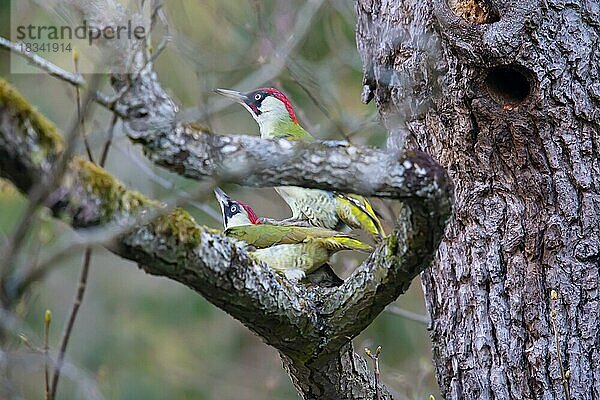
{"x":311,"y":327}
{"x":172,"y":244}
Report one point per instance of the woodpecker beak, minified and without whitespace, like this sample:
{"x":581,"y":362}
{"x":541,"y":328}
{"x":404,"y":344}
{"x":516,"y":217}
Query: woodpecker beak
{"x":223,"y":200}
{"x":238,"y":97}
{"x":222,"y":197}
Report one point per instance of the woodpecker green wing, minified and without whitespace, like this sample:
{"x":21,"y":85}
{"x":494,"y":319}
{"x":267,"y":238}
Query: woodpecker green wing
{"x":264,"y":235}
{"x":326,"y":209}
{"x":291,"y":250}
{"x":291,"y":131}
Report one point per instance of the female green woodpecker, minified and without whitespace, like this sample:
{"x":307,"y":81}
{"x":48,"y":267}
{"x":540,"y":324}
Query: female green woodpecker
{"x":293,"y":251}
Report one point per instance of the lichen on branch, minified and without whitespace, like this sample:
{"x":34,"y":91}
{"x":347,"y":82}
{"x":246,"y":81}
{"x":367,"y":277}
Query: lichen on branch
{"x":310,"y":326}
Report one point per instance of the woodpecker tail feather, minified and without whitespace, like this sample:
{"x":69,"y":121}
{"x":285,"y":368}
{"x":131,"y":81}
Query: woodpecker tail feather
{"x":357,"y":212}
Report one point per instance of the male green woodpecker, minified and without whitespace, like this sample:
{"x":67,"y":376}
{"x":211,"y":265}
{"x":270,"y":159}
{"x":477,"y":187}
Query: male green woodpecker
{"x":276,"y":119}
{"x":293,"y":251}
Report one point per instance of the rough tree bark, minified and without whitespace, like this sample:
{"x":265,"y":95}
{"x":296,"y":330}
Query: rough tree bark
{"x":506,"y":95}
{"x":312,"y":327}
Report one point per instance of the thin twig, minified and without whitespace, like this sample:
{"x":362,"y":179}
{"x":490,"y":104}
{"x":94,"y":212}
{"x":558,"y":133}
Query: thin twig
{"x":110,"y":104}
{"x":80,"y":116}
{"x":158,"y":13}
{"x":35,"y":355}
{"x":168,"y":185}
{"x":111,"y":135}
{"x":375,"y":358}
{"x":54,"y":70}
{"x":420,"y":318}
{"x":74,"y":311}
{"x":36,"y":196}
{"x":108,"y":233}
{"x":335,"y":122}
{"x":86,"y":257}
{"x":33,"y":259}
{"x":57,"y":72}
{"x":47,"y":321}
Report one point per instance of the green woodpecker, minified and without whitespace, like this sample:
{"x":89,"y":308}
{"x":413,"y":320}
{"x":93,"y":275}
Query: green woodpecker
{"x":293,"y":251}
{"x":276,"y":118}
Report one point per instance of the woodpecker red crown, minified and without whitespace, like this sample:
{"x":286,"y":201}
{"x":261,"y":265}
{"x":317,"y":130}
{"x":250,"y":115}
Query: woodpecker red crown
{"x":251,"y":214}
{"x":283,"y":98}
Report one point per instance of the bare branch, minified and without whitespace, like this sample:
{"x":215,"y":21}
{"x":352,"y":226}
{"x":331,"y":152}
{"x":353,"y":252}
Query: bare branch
{"x":87,"y":255}
{"x":80,"y":116}
{"x":71,"y":322}
{"x":75,"y":79}
{"x":47,"y":321}
{"x":375,"y":358}
{"x":108,"y":143}
{"x":422,"y":319}
{"x":44,"y":184}
{"x":34,"y":358}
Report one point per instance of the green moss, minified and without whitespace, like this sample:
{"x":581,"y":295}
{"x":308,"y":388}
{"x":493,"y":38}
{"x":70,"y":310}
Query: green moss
{"x":178,"y":223}
{"x":47,"y":134}
{"x":392,"y":247}
{"x":113,"y":195}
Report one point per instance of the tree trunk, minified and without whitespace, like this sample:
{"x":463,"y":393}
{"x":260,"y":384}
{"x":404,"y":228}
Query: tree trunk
{"x":505,"y":95}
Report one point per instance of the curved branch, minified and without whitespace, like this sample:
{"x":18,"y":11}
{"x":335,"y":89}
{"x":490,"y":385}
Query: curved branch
{"x":172,"y":245}
{"x":413,"y":177}
{"x":385,"y":275}
{"x":311,"y":327}
{"x":151,"y":120}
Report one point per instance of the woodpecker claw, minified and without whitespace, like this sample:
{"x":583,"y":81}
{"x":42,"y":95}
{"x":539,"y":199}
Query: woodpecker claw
{"x":294,"y":274}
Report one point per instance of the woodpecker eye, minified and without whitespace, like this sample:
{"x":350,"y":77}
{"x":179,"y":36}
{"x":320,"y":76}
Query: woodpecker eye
{"x":233,"y":208}
{"x":257,"y":96}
